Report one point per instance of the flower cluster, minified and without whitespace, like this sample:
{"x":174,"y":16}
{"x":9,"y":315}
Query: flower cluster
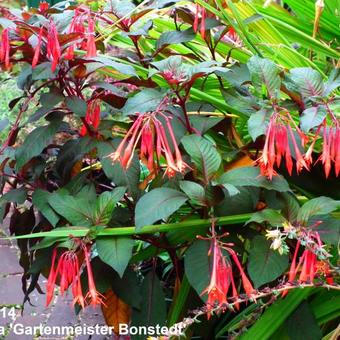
{"x":277,"y":147}
{"x":50,"y":45}
{"x":222,"y":277}
{"x":149,"y":130}
{"x":67,"y":273}
{"x":330,"y":154}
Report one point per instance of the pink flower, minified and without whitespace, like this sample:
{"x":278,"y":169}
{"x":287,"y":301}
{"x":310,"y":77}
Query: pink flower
{"x":91,"y":50}
{"x":200,"y":12}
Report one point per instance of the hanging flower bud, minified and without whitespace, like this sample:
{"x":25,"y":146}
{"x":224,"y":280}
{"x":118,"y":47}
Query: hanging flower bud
{"x":53,"y":46}
{"x":92,"y":116}
{"x":37,"y":49}
{"x":200,"y":17}
{"x":91,"y":50}
{"x":5,"y":49}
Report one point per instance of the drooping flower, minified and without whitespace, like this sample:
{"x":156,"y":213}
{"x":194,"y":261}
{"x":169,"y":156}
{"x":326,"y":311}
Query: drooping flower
{"x":200,"y":17}
{"x":53,"y":45}
{"x":305,"y":268}
{"x":149,"y":131}
{"x":5,"y":49}
{"x":92,"y":116}
{"x":91,"y":50}
{"x":37,"y":49}
{"x":93,"y":297}
{"x":277,"y":147}
{"x":222,"y":277}
{"x":68,"y":272}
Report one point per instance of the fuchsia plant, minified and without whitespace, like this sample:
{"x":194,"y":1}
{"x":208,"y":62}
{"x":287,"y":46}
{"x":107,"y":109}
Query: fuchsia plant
{"x":138,"y":135}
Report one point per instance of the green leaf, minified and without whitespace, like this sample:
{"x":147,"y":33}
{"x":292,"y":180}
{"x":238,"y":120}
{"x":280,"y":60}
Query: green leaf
{"x":264,"y":71}
{"x":250,"y":176}
{"x":35,"y":142}
{"x":273,"y":217}
{"x":203,"y":154}
{"x":115,"y":251}
{"x":333,"y":82}
{"x":120,"y":67}
{"x":76,"y":105}
{"x":115,"y":172}
{"x":40,"y":201}
{"x":312,"y":117}
{"x":308,"y":81}
{"x":194,"y":191}
{"x":328,"y":229}
{"x":43,"y":71}
{"x":106,"y":202}
{"x":317,"y":206}
{"x":302,"y":324}
{"x":275,"y":315}
{"x":78,"y":211}
{"x":15,"y":195}
{"x":175,"y":37}
{"x":265,"y":264}
{"x":257,"y":124}
{"x":196,"y":264}
{"x":153,"y":310}
{"x":144,"y":101}
{"x":157,"y":204}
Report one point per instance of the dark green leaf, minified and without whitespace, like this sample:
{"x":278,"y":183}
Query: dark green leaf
{"x":144,"y":101}
{"x":106,"y":202}
{"x":308,"y":81}
{"x":265,"y":72}
{"x":153,"y":310}
{"x":175,"y":37}
{"x":203,"y":154}
{"x":43,"y":71}
{"x":78,"y":211}
{"x":328,"y":229}
{"x":312,"y":117}
{"x":271,"y":216}
{"x":76,"y":105}
{"x":317,"y":206}
{"x":40,"y":200}
{"x":250,"y":176}
{"x":120,"y":67}
{"x":16,"y":195}
{"x":196,"y":263}
{"x":257,"y":124}
{"x":194,"y":191}
{"x":157,"y":204}
{"x":265,"y":264}
{"x":35,"y":142}
{"x":301,"y":324}
{"x":115,"y":251}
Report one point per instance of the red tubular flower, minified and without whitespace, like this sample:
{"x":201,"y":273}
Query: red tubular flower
{"x":43,"y":6}
{"x":91,"y":50}
{"x":37,"y":49}
{"x":69,"y":274}
{"x":92,"y":116}
{"x":200,"y":12}
{"x":53,"y":46}
{"x":222,"y":277}
{"x":92,"y":297}
{"x":5,"y":49}
{"x":150,"y":132}
{"x":277,"y":148}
